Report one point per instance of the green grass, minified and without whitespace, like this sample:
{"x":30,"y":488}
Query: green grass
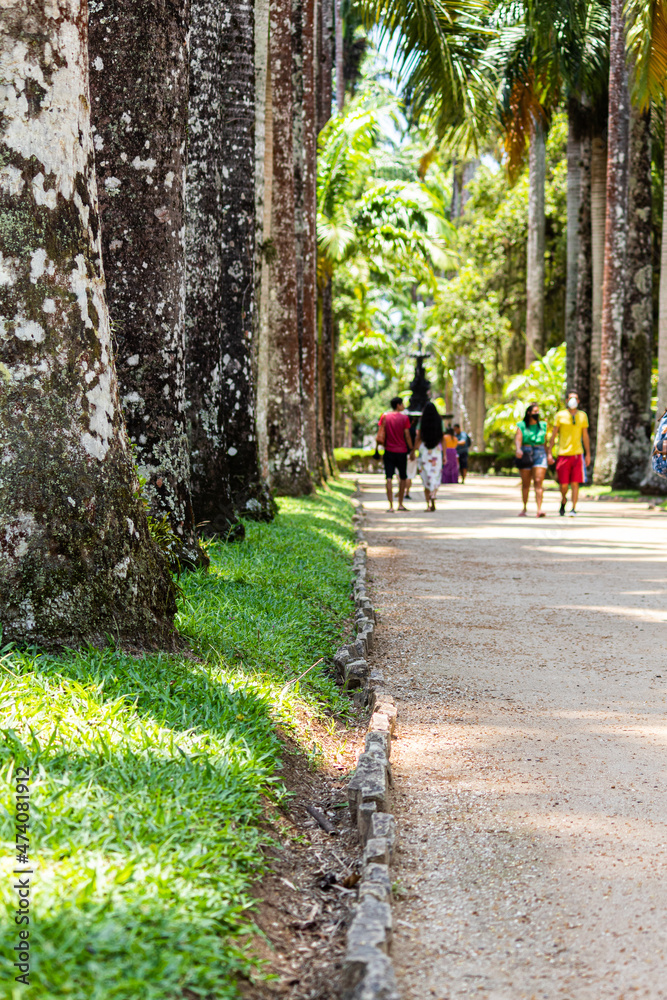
{"x":352,"y":459}
{"x":151,"y":774}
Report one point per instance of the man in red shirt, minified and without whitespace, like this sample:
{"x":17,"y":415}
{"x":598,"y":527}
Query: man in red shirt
{"x":397,"y":444}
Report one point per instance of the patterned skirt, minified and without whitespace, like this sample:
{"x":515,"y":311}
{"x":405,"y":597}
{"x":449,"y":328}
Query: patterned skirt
{"x":430,"y":466}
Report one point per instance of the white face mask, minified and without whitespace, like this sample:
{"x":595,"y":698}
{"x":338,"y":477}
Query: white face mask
{"x":572,"y":403}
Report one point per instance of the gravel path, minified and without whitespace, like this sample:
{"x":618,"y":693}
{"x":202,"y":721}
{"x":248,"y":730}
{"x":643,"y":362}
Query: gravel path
{"x":530,"y":666}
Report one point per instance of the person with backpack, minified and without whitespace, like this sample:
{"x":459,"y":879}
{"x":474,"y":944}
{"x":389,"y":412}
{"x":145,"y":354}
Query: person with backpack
{"x":394,"y":434}
{"x":574,"y":450}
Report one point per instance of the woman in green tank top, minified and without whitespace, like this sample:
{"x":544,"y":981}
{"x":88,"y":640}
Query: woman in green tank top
{"x":530,"y":444}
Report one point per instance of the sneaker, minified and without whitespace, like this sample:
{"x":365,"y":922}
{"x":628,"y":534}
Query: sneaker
{"x":562,"y":510}
{"x":571,"y":513}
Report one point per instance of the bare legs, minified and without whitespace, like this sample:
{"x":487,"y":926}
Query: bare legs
{"x":575,"y":495}
{"x":430,"y":496}
{"x":402,"y":483}
{"x":537,"y":477}
{"x":526,"y":476}
{"x":390,"y":494}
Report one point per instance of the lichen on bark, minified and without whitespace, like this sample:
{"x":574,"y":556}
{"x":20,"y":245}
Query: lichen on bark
{"x":77,"y":563}
{"x":220,"y":238}
{"x":616,"y":231}
{"x":139,"y":110}
{"x":288,"y":458}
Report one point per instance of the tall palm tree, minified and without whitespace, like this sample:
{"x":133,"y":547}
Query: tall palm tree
{"x":78,"y":561}
{"x":141,"y":177}
{"x":287,"y":448}
{"x":613,"y":296}
{"x":305,"y":193}
{"x":637,"y":336}
{"x":647,"y":42}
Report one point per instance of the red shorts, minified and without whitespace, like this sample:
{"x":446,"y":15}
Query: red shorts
{"x":570,"y":469}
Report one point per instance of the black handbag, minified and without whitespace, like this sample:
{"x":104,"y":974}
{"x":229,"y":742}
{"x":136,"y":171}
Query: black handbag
{"x":526,"y":460}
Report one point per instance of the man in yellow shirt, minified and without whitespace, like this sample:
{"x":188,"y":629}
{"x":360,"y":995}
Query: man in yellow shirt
{"x":571,"y":427}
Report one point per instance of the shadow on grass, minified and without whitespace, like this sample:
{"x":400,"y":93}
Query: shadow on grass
{"x":151,"y":774}
{"x":145,"y":830}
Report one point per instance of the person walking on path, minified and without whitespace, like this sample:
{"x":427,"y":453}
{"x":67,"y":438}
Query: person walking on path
{"x":428,"y":443}
{"x":450,"y":468}
{"x":394,"y":434}
{"x":413,"y":467}
{"x":530,"y":445}
{"x":571,"y":428}
{"x":462,"y":449}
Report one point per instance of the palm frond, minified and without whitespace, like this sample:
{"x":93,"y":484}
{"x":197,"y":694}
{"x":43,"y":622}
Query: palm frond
{"x":646,"y":27}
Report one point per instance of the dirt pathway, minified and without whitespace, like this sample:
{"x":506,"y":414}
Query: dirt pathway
{"x":529,"y":660}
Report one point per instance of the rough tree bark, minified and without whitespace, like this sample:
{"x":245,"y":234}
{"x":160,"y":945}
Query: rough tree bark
{"x":468,"y":399}
{"x":139,"y":109}
{"x":340,"y":57}
{"x":305,"y":189}
{"x":220,"y":237}
{"x":263,"y":191}
{"x":662,"y":309}
{"x":288,"y":459}
{"x":583,"y":326}
{"x":325,"y":54}
{"x":598,"y":222}
{"x":636,"y":342}
{"x":574,"y":157}
{"x":77,"y":562}
{"x":616,"y":229}
{"x":328,"y":385}
{"x":536,"y":236}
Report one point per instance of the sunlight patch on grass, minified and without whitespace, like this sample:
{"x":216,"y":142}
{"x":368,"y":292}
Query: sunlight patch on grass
{"x":151,"y":774}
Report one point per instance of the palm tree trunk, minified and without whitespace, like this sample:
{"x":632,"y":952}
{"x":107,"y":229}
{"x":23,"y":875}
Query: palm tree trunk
{"x":327,"y":355}
{"x":598,"y":219}
{"x":221,"y":278}
{"x":636,"y":343}
{"x":141,"y":176}
{"x":455,"y":205}
{"x":325,"y":55}
{"x":581,"y":377}
{"x":306,"y":190}
{"x":574,"y":156}
{"x":77,"y":560}
{"x":263,"y":198}
{"x":288,"y":458}
{"x":340,"y":57}
{"x":616,"y":231}
{"x":468,"y":398}
{"x":535,"y":249}
{"x":662,"y":314}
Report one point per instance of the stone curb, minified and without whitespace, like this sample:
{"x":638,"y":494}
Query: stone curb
{"x":368,"y":973}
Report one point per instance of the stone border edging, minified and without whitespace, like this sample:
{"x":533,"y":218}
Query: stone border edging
{"x":368,"y":973}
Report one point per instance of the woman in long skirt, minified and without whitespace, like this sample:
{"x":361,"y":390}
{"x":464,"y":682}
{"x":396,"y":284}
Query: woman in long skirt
{"x":450,"y":467}
{"x":429,"y":445}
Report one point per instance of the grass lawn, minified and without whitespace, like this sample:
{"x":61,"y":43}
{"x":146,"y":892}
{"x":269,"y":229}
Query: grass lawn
{"x":150,"y":775}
